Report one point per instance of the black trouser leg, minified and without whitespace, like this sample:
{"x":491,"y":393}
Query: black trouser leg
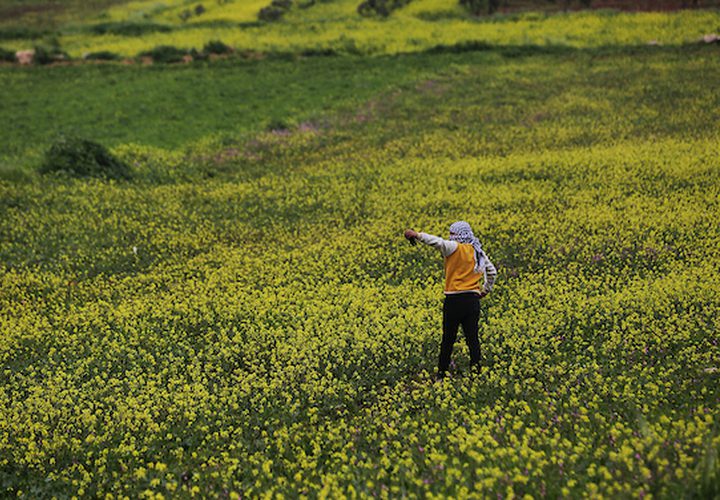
{"x":470,"y":329}
{"x":451,"y":322}
{"x":460,"y":309}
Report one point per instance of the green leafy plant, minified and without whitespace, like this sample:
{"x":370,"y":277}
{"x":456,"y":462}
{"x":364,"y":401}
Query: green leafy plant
{"x":216,"y":47}
{"x":275,"y":11}
{"x":103,"y":55}
{"x":7,"y":55}
{"x":83,"y":158}
{"x":381,"y":8}
{"x":48,"y":55}
{"x":165,"y":54}
{"x":479,"y":7}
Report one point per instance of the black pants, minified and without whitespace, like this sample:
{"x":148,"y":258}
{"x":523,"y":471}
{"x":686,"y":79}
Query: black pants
{"x":460,"y":309}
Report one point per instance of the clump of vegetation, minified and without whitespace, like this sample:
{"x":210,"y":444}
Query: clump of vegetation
{"x":125,"y":28}
{"x":457,"y":48}
{"x":216,"y":47}
{"x":326,"y":52}
{"x":165,"y":54}
{"x":83,"y":158}
{"x":199,"y":10}
{"x":49,"y":54}
{"x":103,"y":55}
{"x":277,"y":125}
{"x":479,"y":7}
{"x":275,"y":10}
{"x":381,"y":8}
{"x":7,"y":55}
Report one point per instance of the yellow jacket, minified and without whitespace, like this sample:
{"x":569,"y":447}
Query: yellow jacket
{"x":460,"y":275}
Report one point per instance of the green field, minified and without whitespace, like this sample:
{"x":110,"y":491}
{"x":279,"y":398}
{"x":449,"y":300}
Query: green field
{"x":242,"y":317}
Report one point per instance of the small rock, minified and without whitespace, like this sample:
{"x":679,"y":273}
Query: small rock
{"x":25,"y":56}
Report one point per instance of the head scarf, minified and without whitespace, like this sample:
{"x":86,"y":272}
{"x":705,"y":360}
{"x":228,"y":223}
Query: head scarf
{"x":462,"y":233}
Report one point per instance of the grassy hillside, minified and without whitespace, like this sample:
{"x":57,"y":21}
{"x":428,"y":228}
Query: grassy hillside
{"x":172,"y":107}
{"x":587,"y":94}
{"x":243,"y":318}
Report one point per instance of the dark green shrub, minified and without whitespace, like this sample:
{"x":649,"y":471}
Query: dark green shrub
{"x":319,"y":52}
{"x":216,"y":47}
{"x":480,"y":7}
{"x":275,"y":10}
{"x":7,"y":55}
{"x":276,"y":125}
{"x":460,"y":47}
{"x":128,"y":28}
{"x":165,"y":54}
{"x":198,"y":56}
{"x":83,"y":158}
{"x":381,"y":8}
{"x":270,"y":13}
{"x":103,"y":55}
{"x":186,"y":14}
{"x":438,"y":15}
{"x":49,"y":55}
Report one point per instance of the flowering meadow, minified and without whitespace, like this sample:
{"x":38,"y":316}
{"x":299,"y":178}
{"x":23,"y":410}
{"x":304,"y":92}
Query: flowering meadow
{"x":242,"y":318}
{"x":130,"y":28}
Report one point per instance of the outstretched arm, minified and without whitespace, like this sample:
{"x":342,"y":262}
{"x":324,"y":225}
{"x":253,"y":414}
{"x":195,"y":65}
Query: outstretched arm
{"x":446,"y":247}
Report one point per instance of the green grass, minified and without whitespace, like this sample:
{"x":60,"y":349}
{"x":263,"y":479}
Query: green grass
{"x":172,"y":107}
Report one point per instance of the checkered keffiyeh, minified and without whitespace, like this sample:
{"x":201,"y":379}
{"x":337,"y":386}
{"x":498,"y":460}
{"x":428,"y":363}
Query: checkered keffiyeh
{"x":461,"y":232}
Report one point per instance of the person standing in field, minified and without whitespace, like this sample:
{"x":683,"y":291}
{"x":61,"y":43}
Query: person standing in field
{"x":465,"y":264}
